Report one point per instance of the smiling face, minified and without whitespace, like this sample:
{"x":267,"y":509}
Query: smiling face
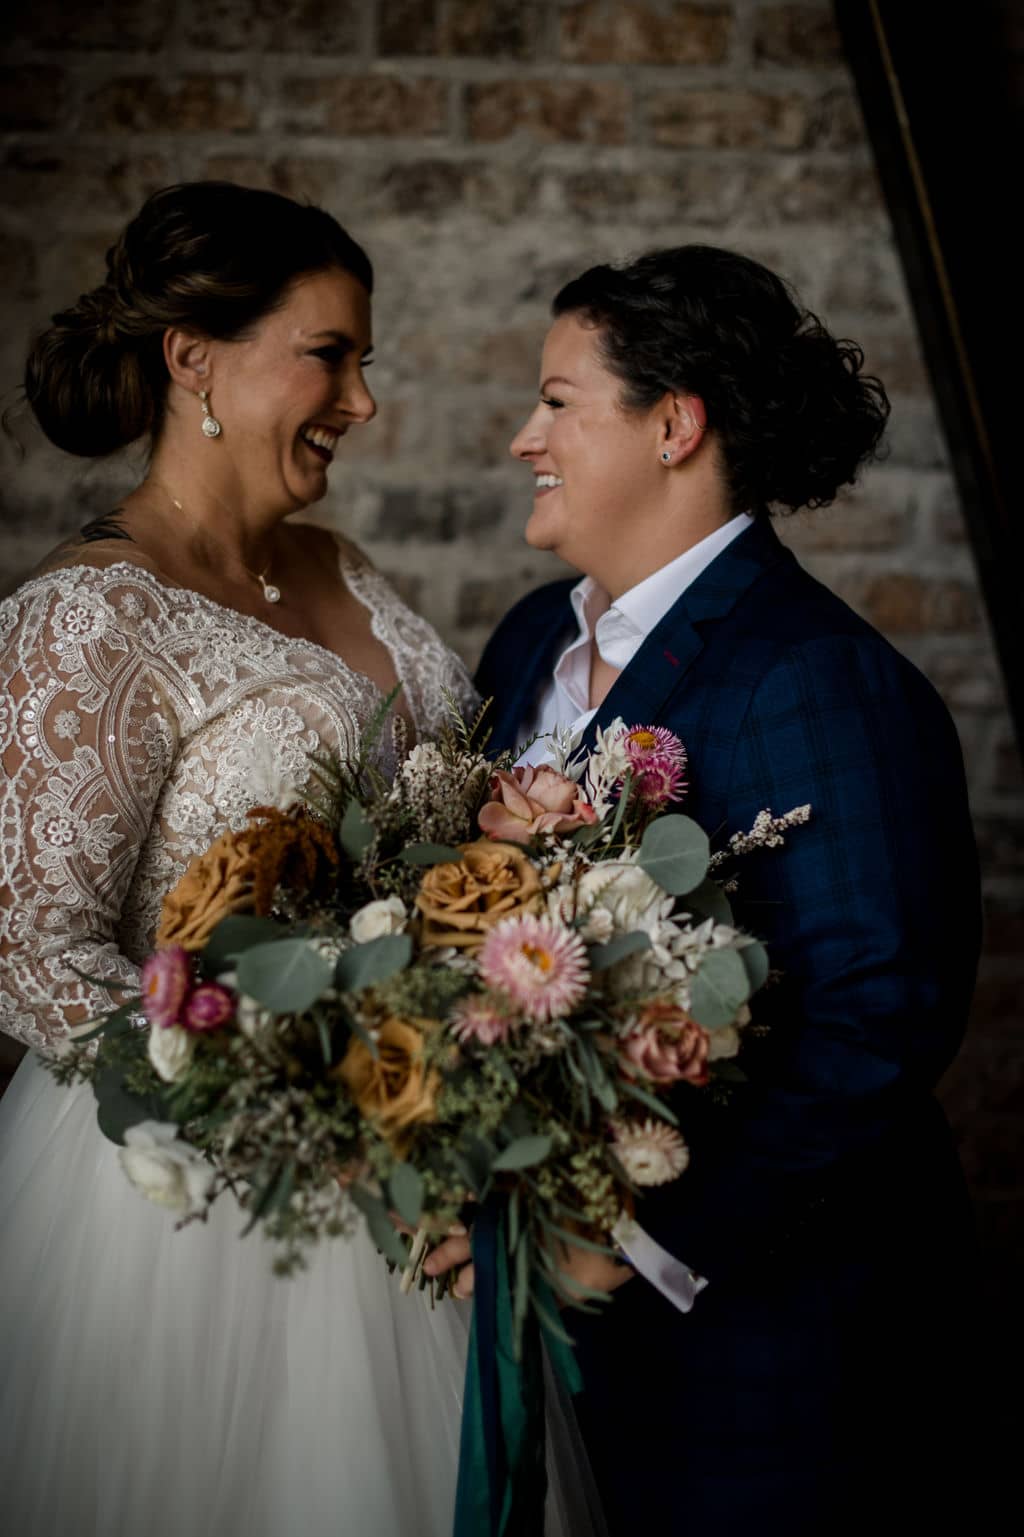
{"x":287,"y":394}
{"x":599,"y":481}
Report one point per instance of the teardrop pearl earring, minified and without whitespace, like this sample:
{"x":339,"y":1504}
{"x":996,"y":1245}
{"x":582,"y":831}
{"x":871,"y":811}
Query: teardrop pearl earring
{"x":211,"y":426}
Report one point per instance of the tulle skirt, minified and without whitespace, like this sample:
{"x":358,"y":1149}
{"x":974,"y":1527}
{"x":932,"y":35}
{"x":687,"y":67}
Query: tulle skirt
{"x":163,"y":1383}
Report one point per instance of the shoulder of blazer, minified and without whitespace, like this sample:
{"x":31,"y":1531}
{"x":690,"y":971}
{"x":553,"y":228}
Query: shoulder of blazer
{"x":540,"y":612}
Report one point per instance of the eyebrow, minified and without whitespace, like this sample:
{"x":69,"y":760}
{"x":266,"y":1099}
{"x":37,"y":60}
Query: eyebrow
{"x":341,"y":337}
{"x":555,"y":379}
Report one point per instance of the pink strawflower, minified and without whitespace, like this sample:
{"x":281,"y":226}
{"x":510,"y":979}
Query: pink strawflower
{"x":480,"y":1018}
{"x":166,"y":980}
{"x":538,"y":964}
{"x":657,"y":759}
{"x":209,"y":1007}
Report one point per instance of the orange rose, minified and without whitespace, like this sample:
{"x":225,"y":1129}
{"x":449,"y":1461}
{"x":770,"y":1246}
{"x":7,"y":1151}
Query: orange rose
{"x":529,"y":801}
{"x":459,"y":903}
{"x":395,"y":1089}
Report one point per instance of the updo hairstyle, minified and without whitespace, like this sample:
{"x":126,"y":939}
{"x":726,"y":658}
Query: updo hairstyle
{"x":794,"y":417}
{"x":208,"y":256}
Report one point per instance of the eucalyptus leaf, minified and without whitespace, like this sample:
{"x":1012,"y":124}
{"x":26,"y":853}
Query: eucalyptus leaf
{"x":645,"y":1097}
{"x":356,"y":831}
{"x":234,"y":935}
{"x":601,"y":957}
{"x":286,"y":977}
{"x":405,"y":1187}
{"x":755,"y":959}
{"x":708,"y":900}
{"x":600,"y":1083}
{"x":625,"y":792}
{"x":720,"y":988}
{"x":523,"y":1153}
{"x":675,"y":853}
{"x":430,"y":854}
{"x":380,"y":1226}
{"x":273,"y":1195}
{"x":117,"y":1110}
{"x":375,"y":961}
{"x":548,"y":1321}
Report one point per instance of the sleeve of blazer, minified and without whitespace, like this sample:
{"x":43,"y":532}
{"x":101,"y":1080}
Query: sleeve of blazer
{"x":872,"y":914}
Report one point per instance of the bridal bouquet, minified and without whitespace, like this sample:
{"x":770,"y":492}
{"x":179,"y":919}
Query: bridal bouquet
{"x":475,"y":989}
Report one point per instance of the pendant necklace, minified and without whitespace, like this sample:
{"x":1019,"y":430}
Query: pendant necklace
{"x":271,"y":592}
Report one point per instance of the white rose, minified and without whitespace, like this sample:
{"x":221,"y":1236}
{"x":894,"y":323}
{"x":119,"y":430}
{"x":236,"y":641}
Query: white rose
{"x":170,"y":1051}
{"x":165,"y":1170}
{"x":386,"y":916}
{"x":626,"y":891}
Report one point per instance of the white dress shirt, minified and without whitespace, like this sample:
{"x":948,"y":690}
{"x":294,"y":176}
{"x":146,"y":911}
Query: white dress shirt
{"x":619,"y":629}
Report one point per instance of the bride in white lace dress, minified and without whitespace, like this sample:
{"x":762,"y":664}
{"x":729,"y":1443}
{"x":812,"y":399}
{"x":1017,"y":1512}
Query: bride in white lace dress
{"x":160,"y":676}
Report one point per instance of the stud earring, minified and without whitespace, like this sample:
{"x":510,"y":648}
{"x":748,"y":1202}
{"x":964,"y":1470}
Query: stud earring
{"x":666,"y":457}
{"x":211,"y":426}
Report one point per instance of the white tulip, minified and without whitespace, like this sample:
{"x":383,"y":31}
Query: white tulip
{"x":170,"y":1051}
{"x":388,"y":915}
{"x":166,"y":1171}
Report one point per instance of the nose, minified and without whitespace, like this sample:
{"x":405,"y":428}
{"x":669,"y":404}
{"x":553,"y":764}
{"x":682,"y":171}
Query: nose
{"x":356,"y":400}
{"x":529,"y":440}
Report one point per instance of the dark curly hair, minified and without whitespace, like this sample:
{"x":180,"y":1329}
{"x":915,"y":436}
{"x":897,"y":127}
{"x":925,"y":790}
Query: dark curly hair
{"x":794,"y":416}
{"x":209,"y":256}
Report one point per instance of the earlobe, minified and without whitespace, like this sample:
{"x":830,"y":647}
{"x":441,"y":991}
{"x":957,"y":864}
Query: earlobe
{"x":686,"y":428}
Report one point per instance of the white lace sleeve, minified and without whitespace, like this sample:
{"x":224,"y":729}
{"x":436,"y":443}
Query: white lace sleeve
{"x":88,"y":729}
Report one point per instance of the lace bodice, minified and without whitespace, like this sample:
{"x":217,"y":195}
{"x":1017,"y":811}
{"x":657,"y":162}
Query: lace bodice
{"x":137,"y":722}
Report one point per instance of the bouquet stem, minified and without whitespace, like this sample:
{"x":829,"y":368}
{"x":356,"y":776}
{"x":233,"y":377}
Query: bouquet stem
{"x":417,"y":1254}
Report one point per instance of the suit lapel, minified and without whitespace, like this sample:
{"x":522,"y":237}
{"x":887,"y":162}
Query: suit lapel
{"x":534,"y":660}
{"x":677,"y":640}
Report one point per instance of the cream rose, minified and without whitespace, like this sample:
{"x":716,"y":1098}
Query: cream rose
{"x":164,"y":1170}
{"x":388,"y":915}
{"x":170,"y":1050}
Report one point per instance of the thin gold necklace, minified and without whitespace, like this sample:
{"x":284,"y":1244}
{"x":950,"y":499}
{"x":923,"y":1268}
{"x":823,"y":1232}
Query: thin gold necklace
{"x":271,"y":593}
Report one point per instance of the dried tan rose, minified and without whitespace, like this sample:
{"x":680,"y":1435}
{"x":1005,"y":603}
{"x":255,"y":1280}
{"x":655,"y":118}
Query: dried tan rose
{"x":242,"y":870}
{"x":459,"y":903}
{"x":395,"y":1089}
{"x":215,"y":885}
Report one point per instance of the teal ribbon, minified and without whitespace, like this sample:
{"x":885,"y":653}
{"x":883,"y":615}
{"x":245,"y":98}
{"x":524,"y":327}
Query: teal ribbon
{"x":502,"y":1480}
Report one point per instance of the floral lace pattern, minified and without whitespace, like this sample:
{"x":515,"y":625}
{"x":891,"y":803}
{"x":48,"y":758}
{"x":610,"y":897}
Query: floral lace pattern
{"x":137,"y":722}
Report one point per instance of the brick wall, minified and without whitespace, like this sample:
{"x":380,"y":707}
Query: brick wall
{"x":485,"y":151}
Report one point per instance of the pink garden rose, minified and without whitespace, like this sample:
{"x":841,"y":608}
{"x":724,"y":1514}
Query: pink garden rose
{"x":529,"y":801}
{"x":209,"y":1007}
{"x":166,"y":979}
{"x":667,"y":1046}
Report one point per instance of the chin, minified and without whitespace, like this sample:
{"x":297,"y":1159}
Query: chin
{"x":539,"y":535}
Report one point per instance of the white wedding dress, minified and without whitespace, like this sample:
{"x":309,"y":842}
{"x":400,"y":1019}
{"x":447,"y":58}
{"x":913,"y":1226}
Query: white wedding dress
{"x":156,"y":1383}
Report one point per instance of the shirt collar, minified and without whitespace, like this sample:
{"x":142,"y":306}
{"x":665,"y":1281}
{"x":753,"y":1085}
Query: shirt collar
{"x":620,"y":628}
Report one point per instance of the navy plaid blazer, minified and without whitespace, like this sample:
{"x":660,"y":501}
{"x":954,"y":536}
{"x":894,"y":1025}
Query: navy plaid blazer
{"x":825,"y":1203}
{"x":871,"y":912}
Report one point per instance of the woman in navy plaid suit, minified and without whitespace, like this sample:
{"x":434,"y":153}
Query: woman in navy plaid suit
{"x":817,"y":1384}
